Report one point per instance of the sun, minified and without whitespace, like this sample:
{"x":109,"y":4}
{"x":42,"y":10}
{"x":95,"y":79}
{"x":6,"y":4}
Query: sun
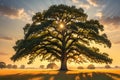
{"x":61,"y":25}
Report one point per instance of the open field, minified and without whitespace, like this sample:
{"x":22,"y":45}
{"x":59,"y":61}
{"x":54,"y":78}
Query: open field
{"x":34,"y":74}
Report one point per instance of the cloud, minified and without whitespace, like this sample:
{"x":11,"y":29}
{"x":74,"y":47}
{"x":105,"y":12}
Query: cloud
{"x":2,"y":53}
{"x":75,"y":1}
{"x":93,"y":2}
{"x":14,"y":13}
{"x":112,"y":21}
{"x":81,"y":3}
{"x":96,"y":3}
{"x":118,"y":42}
{"x":6,"y":38}
{"x":86,"y":6}
{"x":99,"y":15}
{"x":112,"y":28}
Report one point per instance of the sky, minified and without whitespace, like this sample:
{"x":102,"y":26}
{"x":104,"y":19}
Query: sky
{"x":14,"y":14}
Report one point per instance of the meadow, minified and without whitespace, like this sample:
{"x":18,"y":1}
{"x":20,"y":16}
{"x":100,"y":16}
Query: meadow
{"x":36,"y":74}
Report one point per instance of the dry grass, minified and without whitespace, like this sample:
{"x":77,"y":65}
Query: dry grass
{"x":103,"y":74}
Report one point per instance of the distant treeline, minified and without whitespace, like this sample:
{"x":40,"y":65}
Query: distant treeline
{"x":50,"y":66}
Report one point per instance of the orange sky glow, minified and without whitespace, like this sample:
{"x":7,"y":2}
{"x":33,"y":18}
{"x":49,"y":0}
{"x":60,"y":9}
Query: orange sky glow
{"x":14,"y":16}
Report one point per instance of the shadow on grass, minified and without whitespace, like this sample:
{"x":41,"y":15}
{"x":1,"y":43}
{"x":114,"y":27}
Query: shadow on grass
{"x":62,"y":75}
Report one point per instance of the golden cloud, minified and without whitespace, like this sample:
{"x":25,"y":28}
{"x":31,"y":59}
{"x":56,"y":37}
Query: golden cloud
{"x":93,"y":2}
{"x":2,"y":53}
{"x":14,"y":13}
{"x":5,"y":38}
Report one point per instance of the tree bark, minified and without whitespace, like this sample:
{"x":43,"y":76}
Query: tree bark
{"x":63,"y":64}
{"x":64,"y":55}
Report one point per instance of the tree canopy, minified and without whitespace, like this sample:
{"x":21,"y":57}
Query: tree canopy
{"x":2,"y":65}
{"x":52,"y":66}
{"x":63,"y":33}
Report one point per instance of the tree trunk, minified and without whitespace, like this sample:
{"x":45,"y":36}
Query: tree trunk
{"x":63,"y":64}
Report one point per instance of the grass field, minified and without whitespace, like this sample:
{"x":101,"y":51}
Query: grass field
{"x":27,"y":74}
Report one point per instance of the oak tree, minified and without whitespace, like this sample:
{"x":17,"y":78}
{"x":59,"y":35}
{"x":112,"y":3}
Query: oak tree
{"x":63,"y":33}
